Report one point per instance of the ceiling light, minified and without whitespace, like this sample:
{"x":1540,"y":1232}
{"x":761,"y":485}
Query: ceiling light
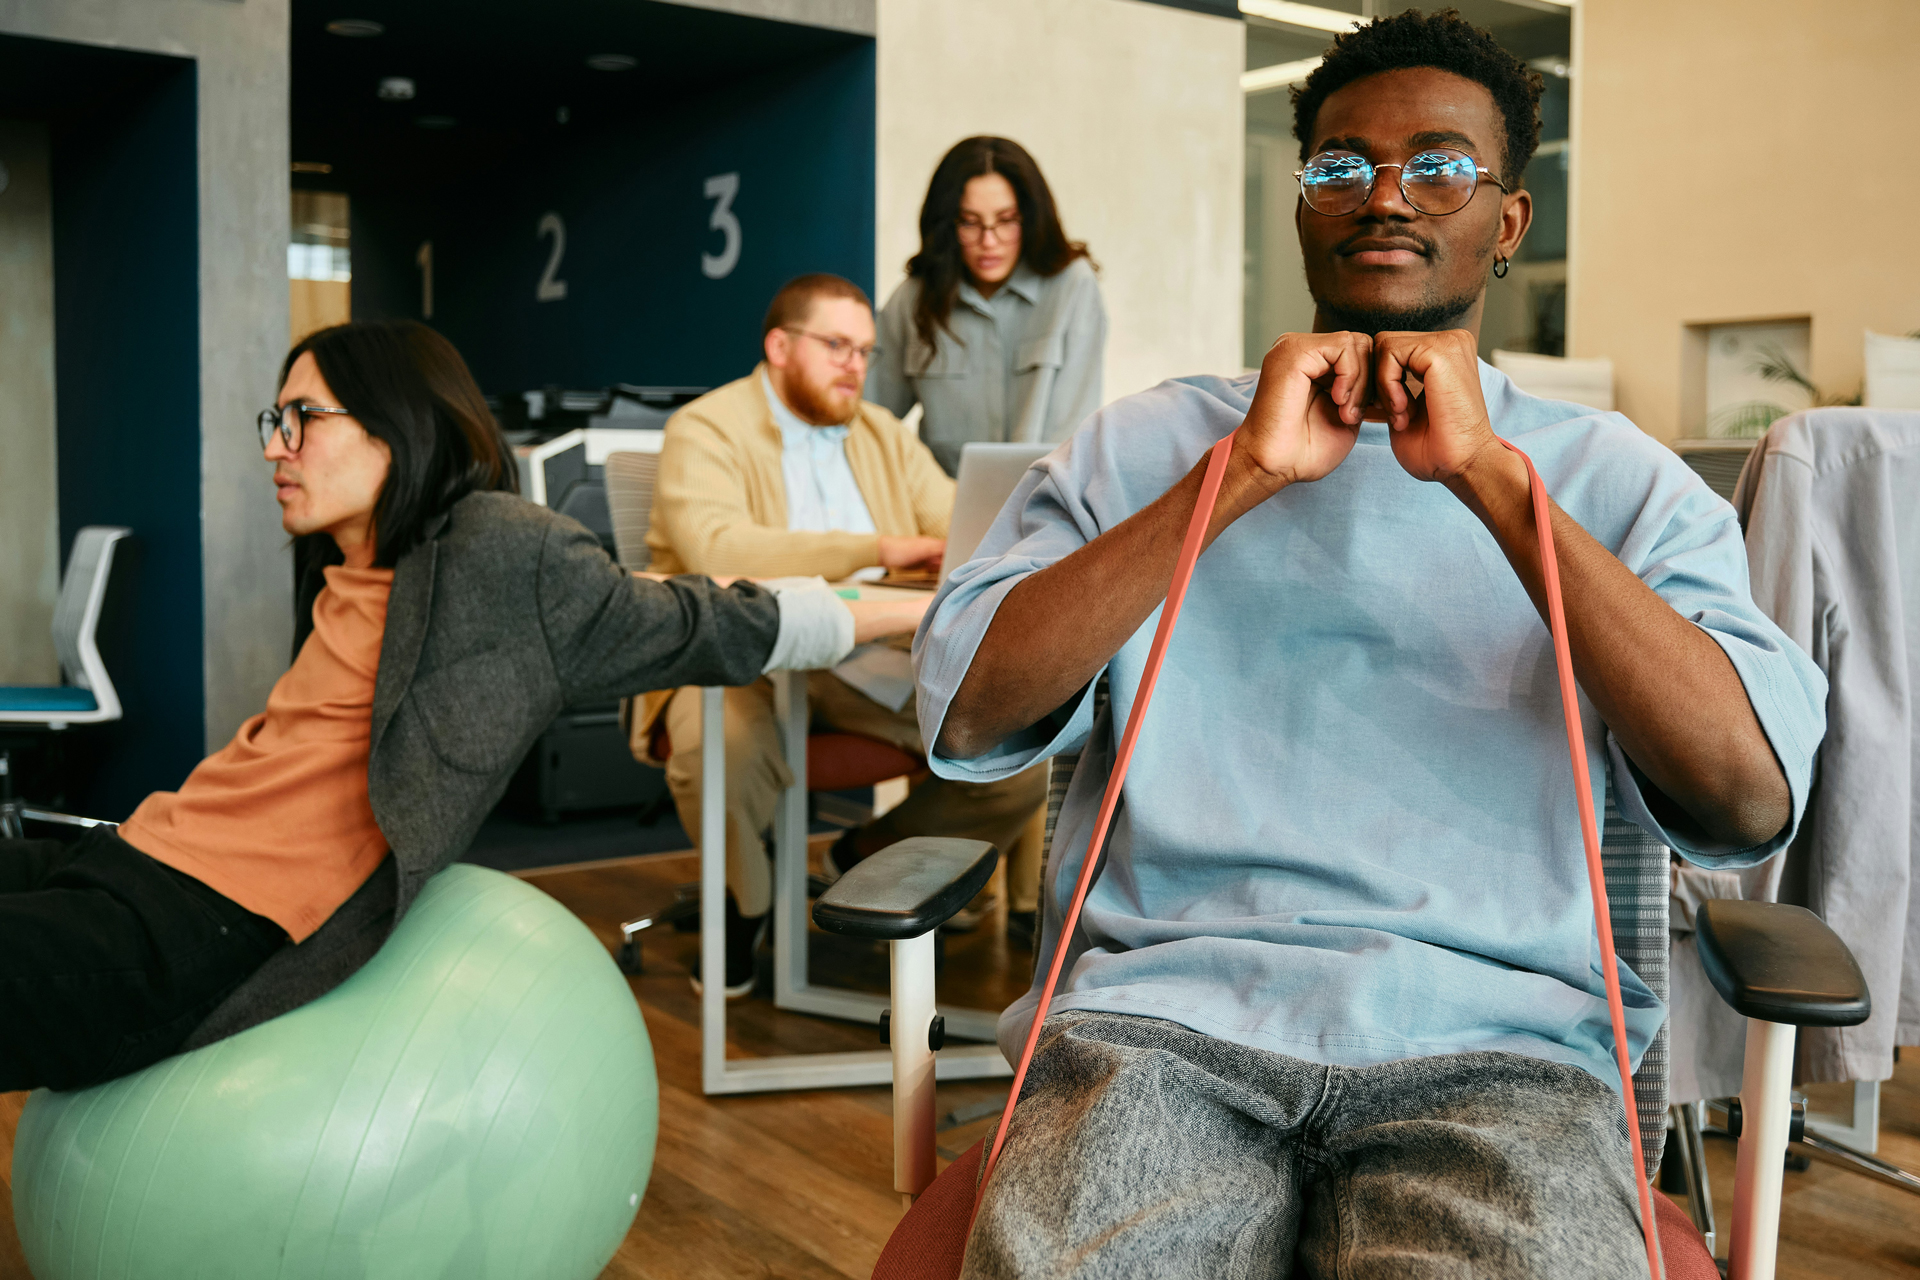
{"x":1278,"y":76}
{"x":613,"y":62}
{"x":435,"y":122}
{"x":357,"y":28}
{"x":1310,"y":16}
{"x":396,"y":89}
{"x":311,"y":166}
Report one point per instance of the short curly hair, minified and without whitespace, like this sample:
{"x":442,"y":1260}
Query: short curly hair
{"x":1444,"y":40}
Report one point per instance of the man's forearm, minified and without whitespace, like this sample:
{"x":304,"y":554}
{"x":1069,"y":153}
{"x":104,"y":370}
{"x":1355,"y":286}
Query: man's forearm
{"x":1664,"y":687}
{"x":1060,"y":626}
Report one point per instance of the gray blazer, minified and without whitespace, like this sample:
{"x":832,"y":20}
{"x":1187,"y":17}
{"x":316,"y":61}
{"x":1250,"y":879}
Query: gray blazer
{"x":505,"y":614}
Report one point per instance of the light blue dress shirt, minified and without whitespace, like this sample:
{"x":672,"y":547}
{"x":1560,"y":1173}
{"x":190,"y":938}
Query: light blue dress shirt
{"x":1349,"y":834}
{"x":822,"y":496}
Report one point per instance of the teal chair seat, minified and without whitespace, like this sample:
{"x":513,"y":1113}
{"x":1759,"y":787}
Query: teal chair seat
{"x":47,"y":697}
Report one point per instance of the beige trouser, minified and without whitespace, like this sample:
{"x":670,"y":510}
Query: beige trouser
{"x":1010,"y":814}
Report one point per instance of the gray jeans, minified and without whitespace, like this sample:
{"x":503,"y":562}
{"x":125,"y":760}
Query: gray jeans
{"x":1144,"y":1149}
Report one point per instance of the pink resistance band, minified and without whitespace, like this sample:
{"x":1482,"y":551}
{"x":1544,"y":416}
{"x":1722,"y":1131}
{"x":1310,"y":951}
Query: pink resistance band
{"x":1576,"y":751}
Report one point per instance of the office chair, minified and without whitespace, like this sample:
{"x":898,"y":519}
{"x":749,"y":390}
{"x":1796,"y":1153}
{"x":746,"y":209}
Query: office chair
{"x":1778,"y":966}
{"x":1832,"y":545}
{"x":87,"y":695}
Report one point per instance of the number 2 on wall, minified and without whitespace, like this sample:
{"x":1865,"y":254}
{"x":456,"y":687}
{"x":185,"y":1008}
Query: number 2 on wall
{"x":722,"y":188}
{"x":550,"y":289}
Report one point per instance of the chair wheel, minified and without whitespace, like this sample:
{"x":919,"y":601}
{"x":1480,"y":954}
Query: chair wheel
{"x":628,"y":957}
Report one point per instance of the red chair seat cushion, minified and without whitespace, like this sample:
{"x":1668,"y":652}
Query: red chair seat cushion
{"x":835,"y":761}
{"x":932,"y":1238}
{"x":843,"y":761}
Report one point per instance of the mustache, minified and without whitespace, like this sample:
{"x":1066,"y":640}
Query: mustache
{"x":1426,"y":245}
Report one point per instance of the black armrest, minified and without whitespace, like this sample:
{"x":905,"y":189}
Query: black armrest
{"x":1780,"y":963}
{"x":906,"y":889}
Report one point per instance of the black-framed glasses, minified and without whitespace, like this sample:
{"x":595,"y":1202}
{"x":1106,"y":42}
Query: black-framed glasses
{"x":972,"y":230}
{"x":840,"y":351}
{"x":290,"y":420}
{"x":1436,"y":182}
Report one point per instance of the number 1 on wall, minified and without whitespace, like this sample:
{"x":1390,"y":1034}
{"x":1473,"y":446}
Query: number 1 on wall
{"x":424,"y":260}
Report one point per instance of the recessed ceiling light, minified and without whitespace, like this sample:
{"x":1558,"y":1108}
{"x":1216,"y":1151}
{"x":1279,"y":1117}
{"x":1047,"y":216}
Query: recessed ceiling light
{"x":396,"y":89}
{"x":435,"y":122}
{"x":358,"y":28}
{"x":613,"y":62}
{"x":311,"y":166}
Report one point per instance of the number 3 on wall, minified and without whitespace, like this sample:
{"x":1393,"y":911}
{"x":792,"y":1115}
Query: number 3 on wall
{"x":550,"y":289}
{"x":722,"y":188}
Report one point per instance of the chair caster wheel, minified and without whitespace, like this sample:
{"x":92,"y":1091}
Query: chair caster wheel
{"x":628,"y":958}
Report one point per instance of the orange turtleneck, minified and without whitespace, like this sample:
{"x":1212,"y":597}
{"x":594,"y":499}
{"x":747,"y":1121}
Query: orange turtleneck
{"x":279,"y":820}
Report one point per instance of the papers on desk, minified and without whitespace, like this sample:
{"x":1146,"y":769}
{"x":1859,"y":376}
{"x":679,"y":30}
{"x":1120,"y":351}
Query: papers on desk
{"x":880,"y":671}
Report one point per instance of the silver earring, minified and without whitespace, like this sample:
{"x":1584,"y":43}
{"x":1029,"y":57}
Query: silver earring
{"x":1500,"y":268}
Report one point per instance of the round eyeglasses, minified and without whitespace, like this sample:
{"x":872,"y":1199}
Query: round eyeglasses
{"x":290,"y":421}
{"x":1435,"y":182}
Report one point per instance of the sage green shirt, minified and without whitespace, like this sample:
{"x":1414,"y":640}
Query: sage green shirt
{"x":1023,"y":366}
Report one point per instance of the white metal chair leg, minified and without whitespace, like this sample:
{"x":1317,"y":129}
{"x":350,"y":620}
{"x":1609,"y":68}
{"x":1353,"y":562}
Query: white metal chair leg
{"x":1766,"y":1106}
{"x":909,"y":1029}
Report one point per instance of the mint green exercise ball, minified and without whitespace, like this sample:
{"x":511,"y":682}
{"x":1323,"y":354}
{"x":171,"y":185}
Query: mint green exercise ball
{"x":478,"y":1101}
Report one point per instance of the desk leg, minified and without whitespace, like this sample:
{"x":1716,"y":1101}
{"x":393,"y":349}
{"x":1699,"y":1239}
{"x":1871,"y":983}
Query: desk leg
{"x":790,"y":841}
{"x":713,"y":889}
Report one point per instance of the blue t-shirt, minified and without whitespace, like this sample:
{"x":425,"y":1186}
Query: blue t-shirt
{"x":1349,"y":833}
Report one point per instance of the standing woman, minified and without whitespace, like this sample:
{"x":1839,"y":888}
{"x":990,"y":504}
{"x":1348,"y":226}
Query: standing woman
{"x":998,"y":331}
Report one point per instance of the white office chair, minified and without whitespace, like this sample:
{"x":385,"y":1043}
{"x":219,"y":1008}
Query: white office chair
{"x":87,"y":696}
{"x":630,"y":479}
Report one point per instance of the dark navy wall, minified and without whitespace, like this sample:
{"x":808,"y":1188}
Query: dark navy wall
{"x":127,"y":364}
{"x":632,"y":200}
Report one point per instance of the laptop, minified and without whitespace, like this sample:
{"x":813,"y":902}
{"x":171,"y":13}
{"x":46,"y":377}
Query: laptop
{"x":988,"y":475}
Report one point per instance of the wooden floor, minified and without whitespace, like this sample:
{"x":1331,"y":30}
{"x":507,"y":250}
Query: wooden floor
{"x":800,"y":1184}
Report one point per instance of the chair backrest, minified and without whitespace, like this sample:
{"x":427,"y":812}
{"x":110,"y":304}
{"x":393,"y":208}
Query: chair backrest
{"x":76,"y":615}
{"x":1587,"y":381}
{"x":1637,"y":902}
{"x":630,"y":478}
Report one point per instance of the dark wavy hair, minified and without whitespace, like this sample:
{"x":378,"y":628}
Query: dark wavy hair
{"x":1443,"y":40}
{"x":939,"y":267}
{"x":408,"y":386}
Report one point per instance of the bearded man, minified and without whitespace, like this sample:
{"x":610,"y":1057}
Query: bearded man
{"x":788,"y":472}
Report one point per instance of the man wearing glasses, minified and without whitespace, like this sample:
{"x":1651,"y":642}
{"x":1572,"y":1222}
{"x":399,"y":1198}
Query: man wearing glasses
{"x":789,"y":472}
{"x":1334,"y":1001}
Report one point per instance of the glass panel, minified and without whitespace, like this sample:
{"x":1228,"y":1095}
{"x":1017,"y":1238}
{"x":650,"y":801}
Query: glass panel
{"x":319,"y":262}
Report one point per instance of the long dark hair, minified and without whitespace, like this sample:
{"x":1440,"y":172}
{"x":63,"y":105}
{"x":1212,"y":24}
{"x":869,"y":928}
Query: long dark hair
{"x":409,"y":387}
{"x":939,"y":267}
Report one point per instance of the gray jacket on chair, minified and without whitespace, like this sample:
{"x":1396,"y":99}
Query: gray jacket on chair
{"x":505,"y":614}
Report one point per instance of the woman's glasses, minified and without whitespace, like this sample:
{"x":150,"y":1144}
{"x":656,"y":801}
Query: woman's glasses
{"x":290,"y":421}
{"x":1435,"y":182}
{"x":1005,"y":231}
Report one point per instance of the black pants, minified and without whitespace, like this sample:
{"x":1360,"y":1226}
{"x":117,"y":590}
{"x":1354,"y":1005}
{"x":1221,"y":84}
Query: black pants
{"x":108,"y":959}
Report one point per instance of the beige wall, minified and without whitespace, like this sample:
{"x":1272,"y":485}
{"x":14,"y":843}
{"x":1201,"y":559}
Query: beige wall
{"x":1135,"y":114}
{"x":1764,"y":99}
{"x":29,"y":513}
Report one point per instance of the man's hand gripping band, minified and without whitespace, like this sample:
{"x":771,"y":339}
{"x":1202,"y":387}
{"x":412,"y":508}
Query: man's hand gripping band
{"x":1576,"y":752}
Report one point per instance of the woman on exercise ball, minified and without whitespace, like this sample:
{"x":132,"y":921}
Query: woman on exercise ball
{"x":440,"y":624}
{"x":998,"y":331}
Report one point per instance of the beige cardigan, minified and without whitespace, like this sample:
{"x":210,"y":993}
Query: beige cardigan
{"x":720,"y":503}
